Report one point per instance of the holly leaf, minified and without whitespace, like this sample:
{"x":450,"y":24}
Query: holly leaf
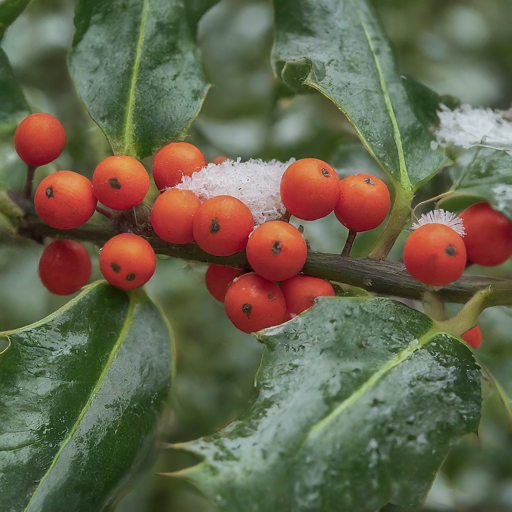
{"x":13,"y":109}
{"x":358,"y":403}
{"x":81,"y":394}
{"x":9,"y":11}
{"x":339,"y":48}
{"x":136,"y":68}
{"x":488,"y":176}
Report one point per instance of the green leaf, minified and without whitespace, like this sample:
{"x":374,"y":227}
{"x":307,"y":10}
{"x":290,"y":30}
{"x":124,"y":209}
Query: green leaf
{"x":9,"y":11}
{"x":426,"y":103}
{"x":81,"y":394}
{"x":13,"y":109}
{"x":135,"y":65}
{"x":359,"y":401}
{"x":487,"y":176}
{"x":338,"y":48}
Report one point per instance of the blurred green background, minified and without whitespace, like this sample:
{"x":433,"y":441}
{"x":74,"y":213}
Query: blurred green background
{"x":462,"y":48}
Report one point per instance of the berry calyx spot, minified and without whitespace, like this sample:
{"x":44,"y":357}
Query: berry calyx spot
{"x":246,"y":308}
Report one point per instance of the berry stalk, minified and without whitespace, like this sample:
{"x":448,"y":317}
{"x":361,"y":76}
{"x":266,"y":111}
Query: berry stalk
{"x":400,"y":214}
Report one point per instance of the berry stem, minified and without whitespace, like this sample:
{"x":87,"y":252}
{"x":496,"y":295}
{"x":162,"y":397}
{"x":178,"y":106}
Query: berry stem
{"x":434,"y":307}
{"x":287,"y":216}
{"x":348,"y":244}
{"x":104,"y":211}
{"x":27,"y":191}
{"x":467,"y":317}
{"x":400,"y":214}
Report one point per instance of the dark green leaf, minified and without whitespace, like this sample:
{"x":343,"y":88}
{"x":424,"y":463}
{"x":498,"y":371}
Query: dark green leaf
{"x":426,"y":102}
{"x":338,"y":48}
{"x":9,"y":11}
{"x":13,"y":109}
{"x":359,"y":401}
{"x":488,"y":176}
{"x":135,"y":65}
{"x":13,"y":106}
{"x":81,"y":393}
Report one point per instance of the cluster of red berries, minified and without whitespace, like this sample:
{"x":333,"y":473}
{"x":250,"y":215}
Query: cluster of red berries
{"x":442,"y":246}
{"x":221,"y":225}
{"x":435,"y":253}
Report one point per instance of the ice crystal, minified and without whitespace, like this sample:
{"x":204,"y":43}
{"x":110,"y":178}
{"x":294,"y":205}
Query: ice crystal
{"x":441,"y":217}
{"x":467,"y":127}
{"x":254,"y":182}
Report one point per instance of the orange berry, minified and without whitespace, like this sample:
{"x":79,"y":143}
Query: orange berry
{"x":435,"y":254}
{"x":120,"y":182}
{"x":276,"y":250}
{"x":309,"y":189}
{"x":301,"y":291}
{"x":127,"y":261}
{"x":253,"y":303}
{"x":473,"y":337}
{"x":65,"y":200}
{"x":172,"y":216}
{"x":39,"y":139}
{"x":488,"y":237}
{"x":219,"y":159}
{"x":64,"y":267}
{"x":174,"y":161}
{"x":364,"y":202}
{"x":222,"y":225}
{"x":218,"y":279}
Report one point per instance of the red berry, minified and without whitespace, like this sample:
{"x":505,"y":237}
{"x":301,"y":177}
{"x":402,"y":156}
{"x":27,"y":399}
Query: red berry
{"x":120,"y":182}
{"x":65,"y":200}
{"x":309,"y":189}
{"x":219,"y":159}
{"x":64,"y":267}
{"x":276,"y":250}
{"x":473,"y":337}
{"x":174,"y":161}
{"x":127,"y":261}
{"x":222,"y":225}
{"x":253,"y":303}
{"x":435,"y":254}
{"x":172,"y":216}
{"x":488,"y":237}
{"x":39,"y":139}
{"x":218,"y":279}
{"x":364,"y":202}
{"x":301,"y":291}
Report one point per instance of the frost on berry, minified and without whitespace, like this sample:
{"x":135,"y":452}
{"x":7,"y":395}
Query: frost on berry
{"x":255,"y":183}
{"x":441,"y":217}
{"x":467,"y":127}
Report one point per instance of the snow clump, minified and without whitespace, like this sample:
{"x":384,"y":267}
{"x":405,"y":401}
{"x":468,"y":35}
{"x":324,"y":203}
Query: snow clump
{"x":441,"y":217}
{"x":467,"y":127}
{"x":254,"y":182}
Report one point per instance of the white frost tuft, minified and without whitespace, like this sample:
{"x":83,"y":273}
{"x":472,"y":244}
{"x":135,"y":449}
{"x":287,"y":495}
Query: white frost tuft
{"x":441,"y":217}
{"x":255,"y":183}
{"x":467,"y":127}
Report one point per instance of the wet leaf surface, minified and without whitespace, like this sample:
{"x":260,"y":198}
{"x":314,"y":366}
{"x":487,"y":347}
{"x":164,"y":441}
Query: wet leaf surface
{"x":81,"y":395}
{"x":135,"y":65}
{"x":358,"y":403}
{"x":339,"y":48}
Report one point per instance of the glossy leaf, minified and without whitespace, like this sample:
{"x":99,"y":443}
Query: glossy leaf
{"x":81,"y":394}
{"x":338,"y":48}
{"x":135,"y":65}
{"x":9,"y":11}
{"x":359,"y":401}
{"x":488,"y":176}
